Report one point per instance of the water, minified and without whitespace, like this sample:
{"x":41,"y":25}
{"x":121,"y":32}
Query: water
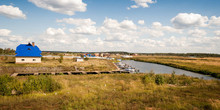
{"x":145,"y":67}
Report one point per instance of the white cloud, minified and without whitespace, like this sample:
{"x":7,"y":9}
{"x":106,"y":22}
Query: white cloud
{"x":214,"y":21}
{"x":7,"y":40}
{"x":134,"y":6}
{"x":155,"y":33}
{"x":128,"y":24}
{"x":142,"y":3}
{"x":12,"y":12}
{"x":141,"y":22}
{"x":4,"y":32}
{"x":217,"y":33}
{"x":68,"y":7}
{"x":197,"y":32}
{"x":158,"y":26}
{"x":186,"y":20}
{"x":111,"y":23}
{"x":77,"y":22}
{"x":83,"y":26}
{"x":52,"y":31}
{"x":114,"y":24}
{"x":83,"y":40}
{"x":90,"y":30}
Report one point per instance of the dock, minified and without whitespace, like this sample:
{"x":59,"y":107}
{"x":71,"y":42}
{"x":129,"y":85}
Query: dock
{"x":70,"y":73}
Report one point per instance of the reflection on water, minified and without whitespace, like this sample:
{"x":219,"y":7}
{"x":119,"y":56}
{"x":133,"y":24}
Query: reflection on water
{"x":145,"y":67}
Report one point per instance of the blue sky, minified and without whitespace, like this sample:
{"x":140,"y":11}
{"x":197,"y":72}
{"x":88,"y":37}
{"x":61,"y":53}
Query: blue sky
{"x":112,"y":25}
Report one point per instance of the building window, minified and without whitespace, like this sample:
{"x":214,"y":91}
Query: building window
{"x":34,"y":59}
{"x":22,"y":59}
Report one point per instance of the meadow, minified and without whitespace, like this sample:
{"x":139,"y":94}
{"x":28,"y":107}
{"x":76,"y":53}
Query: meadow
{"x":117,"y":91}
{"x":203,"y":65}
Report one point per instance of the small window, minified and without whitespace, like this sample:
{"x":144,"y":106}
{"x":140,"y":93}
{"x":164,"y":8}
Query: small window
{"x":22,"y":59}
{"x":34,"y":59}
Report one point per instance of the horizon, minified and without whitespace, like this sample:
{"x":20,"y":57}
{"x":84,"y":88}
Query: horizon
{"x":134,"y":26}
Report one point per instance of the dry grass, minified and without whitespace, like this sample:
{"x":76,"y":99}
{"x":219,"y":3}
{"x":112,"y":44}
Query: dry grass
{"x":51,"y":65}
{"x":119,"y":91}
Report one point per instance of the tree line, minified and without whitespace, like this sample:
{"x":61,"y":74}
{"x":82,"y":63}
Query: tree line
{"x":7,"y":51}
{"x":184,"y":54}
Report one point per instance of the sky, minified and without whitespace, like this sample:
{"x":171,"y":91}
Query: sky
{"x":143,"y":26}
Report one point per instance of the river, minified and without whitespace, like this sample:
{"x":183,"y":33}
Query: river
{"x":145,"y":67}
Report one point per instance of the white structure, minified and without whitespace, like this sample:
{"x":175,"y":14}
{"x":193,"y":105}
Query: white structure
{"x":126,"y":56}
{"x":28,"y":59}
{"x":79,"y":60}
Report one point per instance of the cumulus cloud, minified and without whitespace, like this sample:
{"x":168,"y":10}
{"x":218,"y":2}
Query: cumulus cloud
{"x":141,"y":22}
{"x":4,"y":32}
{"x":68,"y":7}
{"x":90,"y":30}
{"x":197,"y":32}
{"x":83,"y":26}
{"x":158,"y":26}
{"x":12,"y":12}
{"x":7,"y":40}
{"x":186,"y":20}
{"x":128,"y":24}
{"x":142,"y":3}
{"x":53,"y":31}
{"x":125,"y":24}
{"x":217,"y":33}
{"x":77,"y":22}
{"x":214,"y":21}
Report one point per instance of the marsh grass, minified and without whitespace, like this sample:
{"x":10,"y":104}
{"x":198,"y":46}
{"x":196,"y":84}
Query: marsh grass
{"x":207,"y":66}
{"x":121,"y":91}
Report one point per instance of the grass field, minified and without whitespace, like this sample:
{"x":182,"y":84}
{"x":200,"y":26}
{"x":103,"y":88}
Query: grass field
{"x":8,"y":66}
{"x":208,"y":65}
{"x":120,"y":92}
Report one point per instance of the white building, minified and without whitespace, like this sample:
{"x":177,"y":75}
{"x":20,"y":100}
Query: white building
{"x":28,"y":53}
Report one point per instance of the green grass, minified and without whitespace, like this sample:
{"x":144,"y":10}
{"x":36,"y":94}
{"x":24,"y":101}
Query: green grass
{"x":121,"y":91}
{"x":207,"y":66}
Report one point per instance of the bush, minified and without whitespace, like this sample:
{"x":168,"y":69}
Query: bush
{"x":86,"y":59}
{"x":159,"y":79}
{"x":147,"y":79}
{"x":40,"y":83}
{"x":8,"y":85}
{"x":172,"y":79}
{"x":61,"y":59}
{"x":11,"y":86}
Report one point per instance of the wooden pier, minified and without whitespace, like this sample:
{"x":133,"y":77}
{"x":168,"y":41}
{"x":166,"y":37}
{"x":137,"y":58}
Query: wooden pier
{"x":69,"y":73}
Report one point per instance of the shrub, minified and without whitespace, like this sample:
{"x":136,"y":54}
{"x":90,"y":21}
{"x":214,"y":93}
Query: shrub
{"x":159,"y":79}
{"x":8,"y":84}
{"x":147,"y":79}
{"x":86,"y":59}
{"x":11,"y":86}
{"x":40,"y":83}
{"x":172,"y":79}
{"x":61,"y":59}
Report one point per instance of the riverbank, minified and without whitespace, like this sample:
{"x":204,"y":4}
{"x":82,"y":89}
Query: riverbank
{"x":206,"y":66}
{"x":121,"y":91}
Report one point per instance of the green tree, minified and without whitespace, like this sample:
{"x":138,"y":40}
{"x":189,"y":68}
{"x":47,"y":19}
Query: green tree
{"x":61,"y":59}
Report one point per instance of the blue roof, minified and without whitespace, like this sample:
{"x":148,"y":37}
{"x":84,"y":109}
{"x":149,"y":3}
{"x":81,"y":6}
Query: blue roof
{"x":27,"y":50}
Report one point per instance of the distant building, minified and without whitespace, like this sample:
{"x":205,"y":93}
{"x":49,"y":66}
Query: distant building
{"x":28,"y":53}
{"x":126,"y":56}
{"x":79,"y":59}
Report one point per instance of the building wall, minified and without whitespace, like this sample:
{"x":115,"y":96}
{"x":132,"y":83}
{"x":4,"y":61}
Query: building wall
{"x":79,"y":60}
{"x":28,"y":59}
